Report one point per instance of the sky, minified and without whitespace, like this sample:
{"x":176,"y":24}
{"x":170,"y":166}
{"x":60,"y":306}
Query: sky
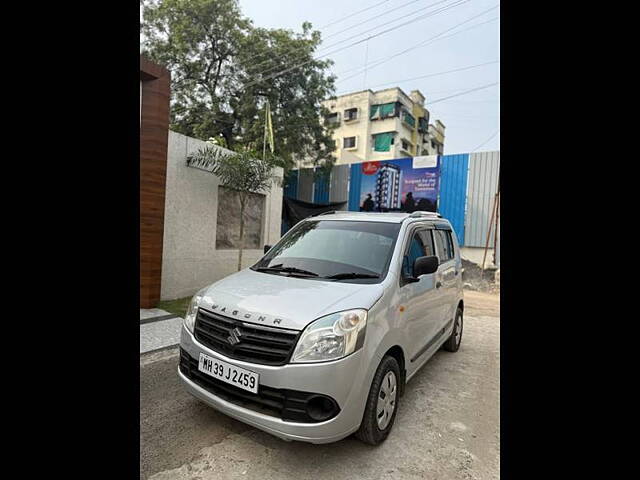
{"x":472,"y":120}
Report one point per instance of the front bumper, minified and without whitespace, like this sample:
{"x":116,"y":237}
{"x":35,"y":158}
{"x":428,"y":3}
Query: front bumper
{"x":342,"y":380}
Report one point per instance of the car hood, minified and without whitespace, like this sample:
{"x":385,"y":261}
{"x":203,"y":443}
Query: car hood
{"x":286,"y":302}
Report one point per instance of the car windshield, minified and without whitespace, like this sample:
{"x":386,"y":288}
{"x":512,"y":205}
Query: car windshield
{"x":339,"y":250}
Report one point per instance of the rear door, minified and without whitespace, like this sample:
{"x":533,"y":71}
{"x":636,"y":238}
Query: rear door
{"x":447,"y":277}
{"x":419,"y":299}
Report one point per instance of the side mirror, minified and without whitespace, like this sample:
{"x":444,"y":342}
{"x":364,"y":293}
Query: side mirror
{"x":425,"y":265}
{"x":267,"y":248}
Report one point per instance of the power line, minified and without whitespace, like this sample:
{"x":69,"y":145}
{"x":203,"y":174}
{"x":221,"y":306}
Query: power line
{"x":445,"y":98}
{"x":277,"y":74}
{"x":463,"y":93}
{"x":353,"y":14}
{"x":444,"y":8}
{"x":471,"y":27}
{"x":394,"y":55}
{"x":272,"y":59}
{"x":430,"y":40}
{"x":220,"y":120}
{"x":373,"y":18}
{"x":486,"y":141}
{"x":379,"y":62}
{"x":437,"y":73}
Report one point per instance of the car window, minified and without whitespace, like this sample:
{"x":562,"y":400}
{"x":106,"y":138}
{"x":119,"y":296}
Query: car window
{"x":427,"y":240}
{"x":451,"y":244}
{"x":444,"y":245}
{"x":416,"y":249}
{"x":328,"y":247}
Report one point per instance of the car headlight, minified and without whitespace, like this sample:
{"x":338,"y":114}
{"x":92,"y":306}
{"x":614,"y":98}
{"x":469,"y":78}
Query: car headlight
{"x":192,"y":311}
{"x":331,"y":337}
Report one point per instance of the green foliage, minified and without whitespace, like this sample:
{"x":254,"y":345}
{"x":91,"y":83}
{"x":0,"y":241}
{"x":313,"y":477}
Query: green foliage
{"x":243,"y":171}
{"x":220,"y":72}
{"x":177,"y":307}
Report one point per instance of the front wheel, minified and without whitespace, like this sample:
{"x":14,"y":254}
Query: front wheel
{"x":453,"y":342}
{"x":382,"y":403}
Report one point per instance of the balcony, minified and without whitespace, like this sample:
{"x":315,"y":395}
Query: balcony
{"x":408,"y":120}
{"x":436,"y":134}
{"x":406,"y":147}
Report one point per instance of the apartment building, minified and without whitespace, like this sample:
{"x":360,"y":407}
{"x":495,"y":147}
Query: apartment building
{"x":383,"y":125}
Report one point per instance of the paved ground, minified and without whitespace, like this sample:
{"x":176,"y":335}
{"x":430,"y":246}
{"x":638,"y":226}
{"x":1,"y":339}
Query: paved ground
{"x":448,"y":425}
{"x":161,"y":334}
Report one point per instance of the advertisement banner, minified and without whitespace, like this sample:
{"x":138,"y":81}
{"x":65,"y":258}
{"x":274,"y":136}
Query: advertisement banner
{"x":395,"y":185}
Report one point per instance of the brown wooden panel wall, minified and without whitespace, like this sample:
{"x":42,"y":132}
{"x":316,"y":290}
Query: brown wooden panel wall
{"x":154,"y":132}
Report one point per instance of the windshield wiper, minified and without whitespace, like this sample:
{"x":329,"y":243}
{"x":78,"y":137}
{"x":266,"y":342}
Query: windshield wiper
{"x":346,"y":275}
{"x":280,"y":268}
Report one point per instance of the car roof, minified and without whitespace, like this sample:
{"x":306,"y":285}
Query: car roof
{"x":387,"y":217}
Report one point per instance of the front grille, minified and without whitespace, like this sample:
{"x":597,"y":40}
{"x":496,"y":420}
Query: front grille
{"x":263,"y":345}
{"x":288,"y":405}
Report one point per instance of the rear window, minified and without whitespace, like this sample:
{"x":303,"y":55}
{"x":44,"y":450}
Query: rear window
{"x":444,"y":244}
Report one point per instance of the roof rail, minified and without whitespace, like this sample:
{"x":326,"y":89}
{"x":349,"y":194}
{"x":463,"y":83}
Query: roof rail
{"x":423,"y":213}
{"x":325,"y":213}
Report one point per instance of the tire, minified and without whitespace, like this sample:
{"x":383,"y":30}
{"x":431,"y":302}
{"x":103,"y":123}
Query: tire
{"x":453,"y":342}
{"x":371,"y":430}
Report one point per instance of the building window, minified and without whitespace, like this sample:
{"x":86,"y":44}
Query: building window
{"x":349,"y":142}
{"x":406,"y":145}
{"x":408,"y":119}
{"x":332,"y":118}
{"x":384,"y":110}
{"x":350,"y":114}
{"x":382,"y":142}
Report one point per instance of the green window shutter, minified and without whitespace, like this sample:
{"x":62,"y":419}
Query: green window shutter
{"x":387,"y":109}
{"x":373,"y":114}
{"x":382,"y":142}
{"x":407,"y":117}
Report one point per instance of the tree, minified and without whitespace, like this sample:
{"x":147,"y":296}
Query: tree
{"x":222,"y":73}
{"x":243,"y":172}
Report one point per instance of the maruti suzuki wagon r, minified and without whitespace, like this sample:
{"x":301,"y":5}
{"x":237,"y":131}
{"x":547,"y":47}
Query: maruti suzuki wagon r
{"x":317,"y":340}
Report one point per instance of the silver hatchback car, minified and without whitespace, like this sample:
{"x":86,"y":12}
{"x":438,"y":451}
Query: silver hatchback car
{"x":317,"y":340}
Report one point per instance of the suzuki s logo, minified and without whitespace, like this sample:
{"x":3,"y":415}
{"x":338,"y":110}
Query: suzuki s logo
{"x":234,"y":336}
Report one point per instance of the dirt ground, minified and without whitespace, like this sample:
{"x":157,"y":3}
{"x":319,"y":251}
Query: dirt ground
{"x":475,"y":278}
{"x":447,"y":427}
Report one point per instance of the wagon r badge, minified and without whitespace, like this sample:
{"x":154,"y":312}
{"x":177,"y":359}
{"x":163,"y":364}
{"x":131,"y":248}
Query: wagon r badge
{"x":234,"y":337}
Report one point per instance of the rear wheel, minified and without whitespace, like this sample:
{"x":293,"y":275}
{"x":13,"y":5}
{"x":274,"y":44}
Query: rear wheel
{"x":453,"y":342}
{"x":382,"y":403}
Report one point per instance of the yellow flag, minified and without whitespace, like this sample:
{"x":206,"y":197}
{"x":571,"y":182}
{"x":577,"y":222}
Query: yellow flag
{"x":269,"y":127}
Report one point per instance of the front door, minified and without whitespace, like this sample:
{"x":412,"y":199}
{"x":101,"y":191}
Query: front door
{"x":420,"y":299}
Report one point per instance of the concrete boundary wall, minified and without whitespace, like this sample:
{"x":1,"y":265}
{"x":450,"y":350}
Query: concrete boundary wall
{"x":190,"y":259}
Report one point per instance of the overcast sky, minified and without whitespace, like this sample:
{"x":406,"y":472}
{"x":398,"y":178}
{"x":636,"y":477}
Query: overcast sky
{"x":470,"y":119}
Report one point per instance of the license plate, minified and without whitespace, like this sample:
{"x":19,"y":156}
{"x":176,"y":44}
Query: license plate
{"x":236,"y":376}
